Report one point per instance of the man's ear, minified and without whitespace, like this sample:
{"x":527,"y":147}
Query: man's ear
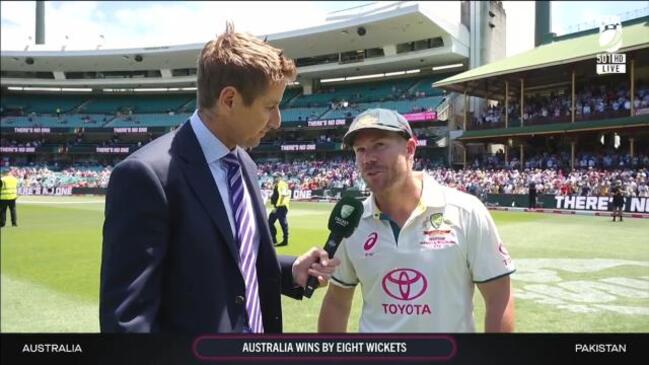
{"x":411,"y":146}
{"x":227,"y":99}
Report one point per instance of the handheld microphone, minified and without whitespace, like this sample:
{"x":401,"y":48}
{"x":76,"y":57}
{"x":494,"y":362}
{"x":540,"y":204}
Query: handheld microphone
{"x":343,"y":221}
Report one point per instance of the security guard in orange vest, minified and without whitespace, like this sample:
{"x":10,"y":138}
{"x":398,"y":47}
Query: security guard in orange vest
{"x":8,"y":196}
{"x":280,"y":201}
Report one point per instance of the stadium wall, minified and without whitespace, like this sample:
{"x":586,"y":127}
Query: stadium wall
{"x":577,"y":203}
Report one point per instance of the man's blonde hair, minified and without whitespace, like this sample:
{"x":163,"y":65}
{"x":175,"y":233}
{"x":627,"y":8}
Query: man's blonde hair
{"x":242,"y":61}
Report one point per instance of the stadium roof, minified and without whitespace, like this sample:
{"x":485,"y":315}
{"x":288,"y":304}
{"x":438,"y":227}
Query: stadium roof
{"x":386,"y":28}
{"x":635,"y":36}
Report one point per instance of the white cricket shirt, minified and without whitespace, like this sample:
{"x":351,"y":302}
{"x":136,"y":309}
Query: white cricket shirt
{"x":424,"y":280}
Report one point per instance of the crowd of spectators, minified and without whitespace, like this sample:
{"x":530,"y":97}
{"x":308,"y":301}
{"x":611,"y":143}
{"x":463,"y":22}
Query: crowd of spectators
{"x":311,"y":175}
{"x":605,"y":160}
{"x":583,"y":182}
{"x":14,"y":143}
{"x":42,"y":176}
{"x":342,"y":173}
{"x":597,"y":101}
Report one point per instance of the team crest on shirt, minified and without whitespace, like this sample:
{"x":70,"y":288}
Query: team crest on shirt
{"x":440,"y":236}
{"x":436,"y":220}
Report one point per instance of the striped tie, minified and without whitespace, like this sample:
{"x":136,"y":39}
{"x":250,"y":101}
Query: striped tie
{"x":240,"y":202}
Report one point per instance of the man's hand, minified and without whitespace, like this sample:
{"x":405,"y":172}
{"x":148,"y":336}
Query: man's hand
{"x":317,"y":263}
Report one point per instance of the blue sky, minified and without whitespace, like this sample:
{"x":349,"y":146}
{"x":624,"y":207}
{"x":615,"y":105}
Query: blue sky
{"x":126,"y":24}
{"x":571,"y":13}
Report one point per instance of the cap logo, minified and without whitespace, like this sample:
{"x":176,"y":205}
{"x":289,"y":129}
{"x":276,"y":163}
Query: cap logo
{"x":365,"y":121}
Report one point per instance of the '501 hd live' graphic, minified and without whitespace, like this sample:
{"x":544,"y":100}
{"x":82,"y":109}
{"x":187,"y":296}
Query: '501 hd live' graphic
{"x":610,"y":38}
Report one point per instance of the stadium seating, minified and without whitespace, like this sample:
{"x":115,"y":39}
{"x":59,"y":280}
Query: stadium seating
{"x":44,"y":121}
{"x":366,"y":92}
{"x":297,"y":114}
{"x":138,"y":104}
{"x":408,"y":106}
{"x":42,"y":103}
{"x":401,"y":106}
{"x":148,"y":120}
{"x":289,"y":94}
{"x":425,"y":86}
{"x":64,"y":121}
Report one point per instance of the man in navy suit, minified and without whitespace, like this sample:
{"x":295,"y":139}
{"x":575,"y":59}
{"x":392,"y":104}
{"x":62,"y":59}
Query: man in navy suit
{"x":171,"y":239}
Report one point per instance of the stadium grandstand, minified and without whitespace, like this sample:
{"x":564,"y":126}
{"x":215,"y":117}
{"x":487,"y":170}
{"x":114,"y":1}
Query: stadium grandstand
{"x":63,"y":108}
{"x":544,"y":116}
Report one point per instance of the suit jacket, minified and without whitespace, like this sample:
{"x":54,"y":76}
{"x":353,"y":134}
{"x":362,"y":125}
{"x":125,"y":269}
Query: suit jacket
{"x":169,"y":259}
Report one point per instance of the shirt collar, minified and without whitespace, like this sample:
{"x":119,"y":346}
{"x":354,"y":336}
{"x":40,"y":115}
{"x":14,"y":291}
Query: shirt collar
{"x":431,"y":197}
{"x":212,"y":147}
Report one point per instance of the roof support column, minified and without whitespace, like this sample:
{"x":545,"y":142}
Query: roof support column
{"x":572,"y":155}
{"x":572,"y":97}
{"x":464,"y":157}
{"x":522,"y":155}
{"x":522,"y":96}
{"x":506,"y":103}
{"x":506,"y":153}
{"x":631,"y":146}
{"x":632,"y":83}
{"x":465,"y":107}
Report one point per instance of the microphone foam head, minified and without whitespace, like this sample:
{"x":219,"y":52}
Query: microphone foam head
{"x":345,"y":216}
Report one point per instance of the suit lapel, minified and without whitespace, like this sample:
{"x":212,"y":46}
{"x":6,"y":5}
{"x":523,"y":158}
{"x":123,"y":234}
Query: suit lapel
{"x":200,"y":179}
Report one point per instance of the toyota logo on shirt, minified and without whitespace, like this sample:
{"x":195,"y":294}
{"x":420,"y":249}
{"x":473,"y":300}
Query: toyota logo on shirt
{"x":371,"y":241}
{"x":404,"y":284}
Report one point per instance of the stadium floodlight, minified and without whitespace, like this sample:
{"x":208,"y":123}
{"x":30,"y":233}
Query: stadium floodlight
{"x":64,"y":89}
{"x":152,"y":89}
{"x":372,"y":76}
{"x":437,"y":68}
{"x":395,"y":73}
{"x":116,"y":90}
{"x":332,"y":80}
{"x":415,"y":71}
{"x":29,"y":43}
{"x":41,"y":89}
{"x":101,"y":41}
{"x":193,"y":88}
{"x":65,"y":43}
{"x":76,"y":89}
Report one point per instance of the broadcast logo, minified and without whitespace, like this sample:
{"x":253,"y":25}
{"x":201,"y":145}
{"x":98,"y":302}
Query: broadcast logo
{"x":610,"y":39}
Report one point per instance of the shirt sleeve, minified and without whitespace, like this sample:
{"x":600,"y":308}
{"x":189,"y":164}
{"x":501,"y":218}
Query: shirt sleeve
{"x":345,"y":274}
{"x":488,"y":258}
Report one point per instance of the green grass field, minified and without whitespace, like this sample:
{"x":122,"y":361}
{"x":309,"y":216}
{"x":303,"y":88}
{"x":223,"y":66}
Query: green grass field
{"x":575,"y":273}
